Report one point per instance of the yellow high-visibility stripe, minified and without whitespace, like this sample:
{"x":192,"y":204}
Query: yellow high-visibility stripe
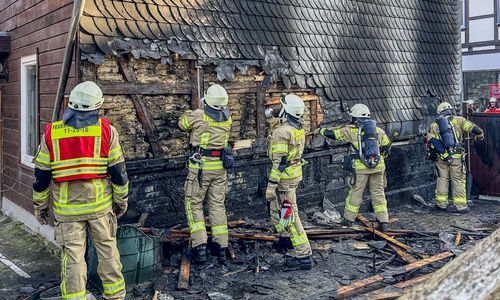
{"x":358,"y":164}
{"x":380,"y":208}
{"x":185,"y":123}
{"x":222,"y":229}
{"x":97,"y":146}
{"x":63,"y":193}
{"x":338,"y":135}
{"x":41,"y":196}
{"x":80,"y":171}
{"x":348,"y":206}
{"x":79,"y":161}
{"x":120,"y":189}
{"x":43,"y":158}
{"x":189,"y":211}
{"x":113,"y":288}
{"x":196,"y":227}
{"x":213,"y":123}
{"x":204,"y":140}
{"x":60,"y":131}
{"x":115,"y":153}
{"x":79,"y":209}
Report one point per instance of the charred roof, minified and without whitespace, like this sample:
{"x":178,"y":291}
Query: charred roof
{"x":385,"y":53}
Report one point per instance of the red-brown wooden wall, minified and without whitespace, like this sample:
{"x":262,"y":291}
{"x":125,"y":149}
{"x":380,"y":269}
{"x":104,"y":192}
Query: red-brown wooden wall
{"x":35,"y":26}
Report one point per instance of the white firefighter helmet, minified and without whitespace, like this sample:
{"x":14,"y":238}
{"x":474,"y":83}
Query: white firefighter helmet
{"x":359,"y":111}
{"x":493,"y":100}
{"x":293,"y":105}
{"x":216,"y":97}
{"x":443,"y":106}
{"x":86,"y":96}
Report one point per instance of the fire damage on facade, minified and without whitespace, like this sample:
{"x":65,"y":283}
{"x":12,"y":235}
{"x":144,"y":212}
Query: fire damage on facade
{"x":154,"y":60}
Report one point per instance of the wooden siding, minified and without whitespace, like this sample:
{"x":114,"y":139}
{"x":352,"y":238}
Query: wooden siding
{"x":35,"y":27}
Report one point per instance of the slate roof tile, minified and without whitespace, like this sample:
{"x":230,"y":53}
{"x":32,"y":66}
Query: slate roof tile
{"x":385,"y":51}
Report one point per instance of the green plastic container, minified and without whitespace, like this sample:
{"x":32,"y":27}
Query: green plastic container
{"x":140,"y":255}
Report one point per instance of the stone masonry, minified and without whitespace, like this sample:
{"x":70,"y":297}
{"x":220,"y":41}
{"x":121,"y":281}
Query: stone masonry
{"x":157,"y":184}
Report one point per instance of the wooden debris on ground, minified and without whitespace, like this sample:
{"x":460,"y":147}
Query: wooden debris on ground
{"x":183,"y":282}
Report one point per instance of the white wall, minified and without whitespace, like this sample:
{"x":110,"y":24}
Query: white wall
{"x":16,"y":212}
{"x":481,"y":30}
{"x":481,"y":62}
{"x":480,"y":7}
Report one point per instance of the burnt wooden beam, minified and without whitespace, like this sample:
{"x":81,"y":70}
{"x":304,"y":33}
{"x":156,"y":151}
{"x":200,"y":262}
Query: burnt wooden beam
{"x":137,"y":88}
{"x":348,"y":289}
{"x":196,"y":90}
{"x":183,"y":282}
{"x":400,"y":285}
{"x":381,"y":234}
{"x":140,"y":107}
{"x":261,"y":107}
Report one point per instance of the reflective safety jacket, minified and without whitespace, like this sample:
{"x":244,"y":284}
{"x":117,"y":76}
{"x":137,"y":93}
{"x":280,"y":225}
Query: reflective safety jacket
{"x":78,"y":160}
{"x":208,"y":134}
{"x":285,"y":151}
{"x":349,"y":134}
{"x":460,"y":124}
{"x":78,"y":153}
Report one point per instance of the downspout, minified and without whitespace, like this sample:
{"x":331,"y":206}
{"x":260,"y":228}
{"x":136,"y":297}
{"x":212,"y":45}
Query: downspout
{"x":68,"y":53}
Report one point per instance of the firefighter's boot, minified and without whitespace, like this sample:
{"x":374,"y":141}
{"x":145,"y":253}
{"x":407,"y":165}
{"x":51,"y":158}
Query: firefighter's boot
{"x":305,"y":263}
{"x":382,"y":226}
{"x":220,"y":252}
{"x":346,"y":222}
{"x":197,"y":254}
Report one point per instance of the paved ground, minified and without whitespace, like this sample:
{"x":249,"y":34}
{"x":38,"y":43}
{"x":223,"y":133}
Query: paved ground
{"x":238,"y":279}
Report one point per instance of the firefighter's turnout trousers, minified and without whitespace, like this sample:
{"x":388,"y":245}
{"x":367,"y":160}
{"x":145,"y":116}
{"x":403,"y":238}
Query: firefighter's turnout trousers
{"x":214,"y":185}
{"x":377,"y":184}
{"x":456,"y":173}
{"x":298,"y":236}
{"x":208,"y":137}
{"x":72,"y":237}
{"x":285,"y":151}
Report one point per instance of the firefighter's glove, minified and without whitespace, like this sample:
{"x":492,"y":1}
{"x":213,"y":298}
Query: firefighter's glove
{"x":42,"y":215}
{"x":286,"y":213}
{"x":479,"y":137}
{"x":271,"y":192}
{"x":446,"y":157}
{"x":121,"y":209}
{"x":316,"y":131}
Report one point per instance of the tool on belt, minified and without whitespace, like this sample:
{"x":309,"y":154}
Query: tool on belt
{"x":196,"y":158}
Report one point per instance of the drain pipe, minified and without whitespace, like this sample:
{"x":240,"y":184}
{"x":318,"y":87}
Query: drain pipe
{"x":78,"y":6}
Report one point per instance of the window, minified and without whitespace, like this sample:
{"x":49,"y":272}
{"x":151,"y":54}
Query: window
{"x":464,"y":14}
{"x":29,"y":108}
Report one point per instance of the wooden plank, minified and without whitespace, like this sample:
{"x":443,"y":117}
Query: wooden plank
{"x":343,"y":291}
{"x":314,"y":114}
{"x":400,"y":285}
{"x":276,"y":100}
{"x":261,"y":118}
{"x":140,"y":107}
{"x":196,"y":91}
{"x":458,"y":238}
{"x":137,"y":88}
{"x":402,"y":253}
{"x":183,"y":282}
{"x":381,"y":234}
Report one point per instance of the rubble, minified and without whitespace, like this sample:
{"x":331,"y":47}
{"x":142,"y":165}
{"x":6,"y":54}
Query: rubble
{"x":349,"y":263}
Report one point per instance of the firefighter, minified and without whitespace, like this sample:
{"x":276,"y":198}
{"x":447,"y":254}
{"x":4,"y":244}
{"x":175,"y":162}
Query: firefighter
{"x":285,"y":151}
{"x":492,"y":108}
{"x":365,"y":163}
{"x":445,"y":138}
{"x":83,"y":158}
{"x":208,"y":159}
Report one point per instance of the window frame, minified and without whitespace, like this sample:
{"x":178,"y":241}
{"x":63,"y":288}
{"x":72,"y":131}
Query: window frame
{"x":464,"y":15}
{"x":28,"y":61}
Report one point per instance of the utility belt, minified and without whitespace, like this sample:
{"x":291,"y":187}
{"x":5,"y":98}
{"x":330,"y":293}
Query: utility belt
{"x":225,"y":154}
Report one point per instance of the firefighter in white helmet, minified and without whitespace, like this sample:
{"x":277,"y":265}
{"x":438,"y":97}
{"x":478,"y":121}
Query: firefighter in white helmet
{"x":82,"y":156}
{"x":366,"y":163}
{"x":285,"y":151}
{"x":445,"y":148}
{"x":209,"y":157}
{"x":492,"y":107}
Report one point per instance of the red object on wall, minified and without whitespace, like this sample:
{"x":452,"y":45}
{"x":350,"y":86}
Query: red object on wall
{"x":495,"y":91}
